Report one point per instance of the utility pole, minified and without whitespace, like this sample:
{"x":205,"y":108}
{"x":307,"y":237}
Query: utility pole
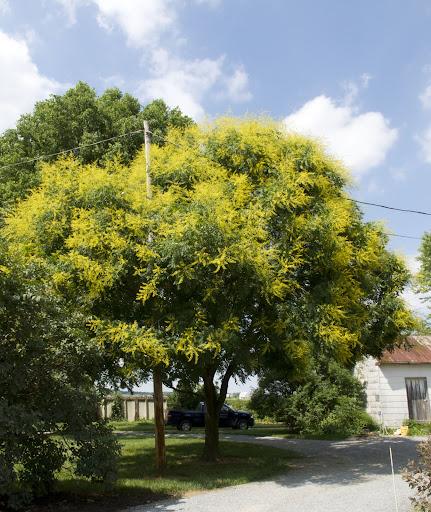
{"x":157,"y":374}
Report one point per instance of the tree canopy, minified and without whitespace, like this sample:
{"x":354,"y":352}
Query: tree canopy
{"x":249,"y":249}
{"x":74,"y":120}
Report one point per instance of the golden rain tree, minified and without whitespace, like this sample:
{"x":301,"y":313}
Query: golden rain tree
{"x":255,"y":249}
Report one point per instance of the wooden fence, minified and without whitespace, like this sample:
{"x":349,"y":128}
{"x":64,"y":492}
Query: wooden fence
{"x":135,"y":407}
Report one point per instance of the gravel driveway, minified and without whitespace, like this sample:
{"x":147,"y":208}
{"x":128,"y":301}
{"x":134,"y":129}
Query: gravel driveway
{"x":331,"y":476}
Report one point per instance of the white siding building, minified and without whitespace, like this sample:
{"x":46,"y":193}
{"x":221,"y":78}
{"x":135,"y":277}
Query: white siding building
{"x":398,"y":385}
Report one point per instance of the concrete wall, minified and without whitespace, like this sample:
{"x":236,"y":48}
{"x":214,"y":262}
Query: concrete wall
{"x":135,"y":408}
{"x":386,"y":389}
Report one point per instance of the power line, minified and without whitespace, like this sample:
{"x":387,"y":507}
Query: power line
{"x":387,"y":207}
{"x":404,"y":236}
{"x":405,"y":210}
{"x":63,"y":152}
{"x":164,"y":139}
{"x":180,"y":146}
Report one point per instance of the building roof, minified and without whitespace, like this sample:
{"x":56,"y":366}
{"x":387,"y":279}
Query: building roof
{"x":415,"y":350}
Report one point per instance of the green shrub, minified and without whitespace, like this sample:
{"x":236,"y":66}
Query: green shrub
{"x":117,"y":413}
{"x":418,"y":429}
{"x":327,"y":401}
{"x":48,"y":400}
{"x":238,"y":404}
{"x":418,"y":476}
{"x":96,"y":453}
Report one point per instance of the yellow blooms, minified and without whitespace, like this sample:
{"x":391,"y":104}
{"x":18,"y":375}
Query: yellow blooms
{"x":222,"y":260}
{"x":249,"y":240}
{"x":131,"y":339}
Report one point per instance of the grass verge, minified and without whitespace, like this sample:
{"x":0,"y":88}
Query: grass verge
{"x":418,"y":429}
{"x":259,"y":430}
{"x":186,"y":473}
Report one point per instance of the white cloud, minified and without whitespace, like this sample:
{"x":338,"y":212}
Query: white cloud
{"x":143,"y":22}
{"x":351,"y":91}
{"x":70,"y":7}
{"x":211,"y":3}
{"x":23,"y":84}
{"x":237,"y":86}
{"x":113,"y":81}
{"x":398,"y":173}
{"x":425,"y":139}
{"x":181,"y":82}
{"x":352,"y":88}
{"x":152,"y":25}
{"x":415,"y":302}
{"x":425,"y":143}
{"x":361,"y":141}
{"x":374,"y":187}
{"x":425,"y":97}
{"x":186,"y":83}
{"x":365,"y":79}
{"x":4,"y":7}
{"x":413,"y":264}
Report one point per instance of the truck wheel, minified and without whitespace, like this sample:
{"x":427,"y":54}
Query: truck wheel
{"x":185,"y":426}
{"x":242,"y":425}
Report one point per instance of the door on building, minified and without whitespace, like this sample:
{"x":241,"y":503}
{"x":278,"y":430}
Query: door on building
{"x":417,"y":399}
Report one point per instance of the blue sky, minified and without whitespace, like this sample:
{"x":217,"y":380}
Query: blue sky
{"x":355,"y":74}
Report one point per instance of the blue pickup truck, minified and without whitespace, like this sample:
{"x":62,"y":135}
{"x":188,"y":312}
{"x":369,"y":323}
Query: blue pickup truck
{"x":185,"y":420}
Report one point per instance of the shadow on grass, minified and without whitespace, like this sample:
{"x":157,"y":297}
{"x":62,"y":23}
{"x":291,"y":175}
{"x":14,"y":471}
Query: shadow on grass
{"x":239,"y":463}
{"x":186,"y":472}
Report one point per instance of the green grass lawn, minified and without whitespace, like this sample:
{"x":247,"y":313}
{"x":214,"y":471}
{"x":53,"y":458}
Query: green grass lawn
{"x":186,"y":472}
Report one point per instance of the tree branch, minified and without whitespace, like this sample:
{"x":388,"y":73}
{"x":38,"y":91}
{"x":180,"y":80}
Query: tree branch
{"x":179,"y":390}
{"x":224,"y":383}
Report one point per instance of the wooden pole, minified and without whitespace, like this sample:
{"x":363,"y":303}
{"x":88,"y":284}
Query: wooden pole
{"x":159,"y":420}
{"x":157,"y":374}
{"x":147,"y":139}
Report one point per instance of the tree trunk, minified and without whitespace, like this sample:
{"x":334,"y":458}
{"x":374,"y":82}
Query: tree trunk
{"x":159,"y":421}
{"x":213,"y":404}
{"x":212,"y":411}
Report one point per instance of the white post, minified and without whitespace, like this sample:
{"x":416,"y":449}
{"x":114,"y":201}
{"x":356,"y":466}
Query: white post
{"x":393,"y":479}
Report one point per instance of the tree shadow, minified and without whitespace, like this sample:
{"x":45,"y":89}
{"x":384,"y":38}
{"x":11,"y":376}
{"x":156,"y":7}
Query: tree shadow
{"x":187,"y":471}
{"x":344,"y":462}
{"x":323,"y":463}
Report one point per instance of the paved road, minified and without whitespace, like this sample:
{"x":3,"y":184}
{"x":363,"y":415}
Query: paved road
{"x":332,"y":476}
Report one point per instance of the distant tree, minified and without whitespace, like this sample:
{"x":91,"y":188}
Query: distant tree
{"x":51,"y":377}
{"x":249,"y":251}
{"x":186,"y":396}
{"x":74,"y":119}
{"x":423,"y":278}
